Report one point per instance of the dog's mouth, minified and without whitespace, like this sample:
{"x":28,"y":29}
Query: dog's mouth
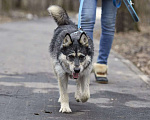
{"x":75,"y":75}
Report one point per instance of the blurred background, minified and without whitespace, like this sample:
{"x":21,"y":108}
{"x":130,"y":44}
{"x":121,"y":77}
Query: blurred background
{"x":132,"y":40}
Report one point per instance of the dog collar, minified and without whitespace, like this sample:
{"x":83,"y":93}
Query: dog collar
{"x":77,"y":32}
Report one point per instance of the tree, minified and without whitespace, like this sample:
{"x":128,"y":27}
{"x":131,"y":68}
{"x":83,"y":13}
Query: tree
{"x":6,"y":5}
{"x":124,"y":20}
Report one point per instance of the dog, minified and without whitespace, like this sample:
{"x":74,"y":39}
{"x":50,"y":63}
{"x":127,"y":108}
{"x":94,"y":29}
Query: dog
{"x":72,"y":53}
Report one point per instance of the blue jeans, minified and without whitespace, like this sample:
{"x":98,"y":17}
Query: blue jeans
{"x":108,"y":19}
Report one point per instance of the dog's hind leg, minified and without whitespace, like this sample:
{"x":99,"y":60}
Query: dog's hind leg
{"x":85,"y":88}
{"x":64,"y":99}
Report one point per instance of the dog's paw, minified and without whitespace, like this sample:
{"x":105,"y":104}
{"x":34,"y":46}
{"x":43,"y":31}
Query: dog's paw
{"x":77,"y":97}
{"x":78,"y":100}
{"x":85,"y":97}
{"x":65,"y":109}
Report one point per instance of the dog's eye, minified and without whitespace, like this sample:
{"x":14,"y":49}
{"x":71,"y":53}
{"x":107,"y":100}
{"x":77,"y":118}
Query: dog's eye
{"x":81,"y":57}
{"x":70,"y":57}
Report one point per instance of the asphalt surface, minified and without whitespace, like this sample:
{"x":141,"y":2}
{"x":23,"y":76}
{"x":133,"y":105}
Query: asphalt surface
{"x":28,"y":87}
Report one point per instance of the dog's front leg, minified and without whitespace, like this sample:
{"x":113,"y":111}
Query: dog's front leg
{"x":85,"y":88}
{"x":78,"y":90}
{"x":64,"y":99}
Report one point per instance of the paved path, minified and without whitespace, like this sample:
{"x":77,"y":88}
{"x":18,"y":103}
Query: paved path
{"x":28,"y":87}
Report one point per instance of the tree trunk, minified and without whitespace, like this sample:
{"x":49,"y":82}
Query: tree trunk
{"x":124,"y":20}
{"x":6,"y":5}
{"x":0,"y":5}
{"x":17,"y":4}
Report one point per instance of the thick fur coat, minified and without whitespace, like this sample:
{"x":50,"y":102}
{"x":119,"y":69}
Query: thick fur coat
{"x":72,"y":53}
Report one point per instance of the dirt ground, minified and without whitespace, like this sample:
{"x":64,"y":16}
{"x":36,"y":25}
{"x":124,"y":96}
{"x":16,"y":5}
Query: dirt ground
{"x":134,"y":46}
{"x":4,"y":19}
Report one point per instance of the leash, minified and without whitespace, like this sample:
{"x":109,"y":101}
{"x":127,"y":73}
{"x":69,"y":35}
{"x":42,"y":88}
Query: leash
{"x":79,"y":16}
{"x":128,"y":3}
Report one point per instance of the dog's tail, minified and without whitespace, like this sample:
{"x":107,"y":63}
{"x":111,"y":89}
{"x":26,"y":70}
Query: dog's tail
{"x":59,"y":15}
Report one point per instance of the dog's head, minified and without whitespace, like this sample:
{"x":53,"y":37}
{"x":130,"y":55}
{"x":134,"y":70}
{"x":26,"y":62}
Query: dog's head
{"x":76,"y":52}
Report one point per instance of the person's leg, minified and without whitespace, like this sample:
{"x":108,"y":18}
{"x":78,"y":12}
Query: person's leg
{"x":108,"y":19}
{"x":88,"y":16}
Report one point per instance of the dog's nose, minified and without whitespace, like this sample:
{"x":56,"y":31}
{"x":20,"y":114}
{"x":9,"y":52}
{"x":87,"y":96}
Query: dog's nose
{"x":76,"y":70}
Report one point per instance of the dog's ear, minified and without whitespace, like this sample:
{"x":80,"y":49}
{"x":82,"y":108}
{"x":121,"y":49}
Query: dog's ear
{"x":67,"y":40}
{"x":84,"y":40}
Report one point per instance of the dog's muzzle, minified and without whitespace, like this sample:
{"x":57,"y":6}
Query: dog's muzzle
{"x":76,"y":73}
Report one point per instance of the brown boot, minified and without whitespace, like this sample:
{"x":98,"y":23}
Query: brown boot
{"x":100,"y":71}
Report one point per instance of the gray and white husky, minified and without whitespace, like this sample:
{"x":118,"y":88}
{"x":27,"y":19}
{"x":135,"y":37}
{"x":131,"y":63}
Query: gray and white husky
{"x":72,"y":53}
